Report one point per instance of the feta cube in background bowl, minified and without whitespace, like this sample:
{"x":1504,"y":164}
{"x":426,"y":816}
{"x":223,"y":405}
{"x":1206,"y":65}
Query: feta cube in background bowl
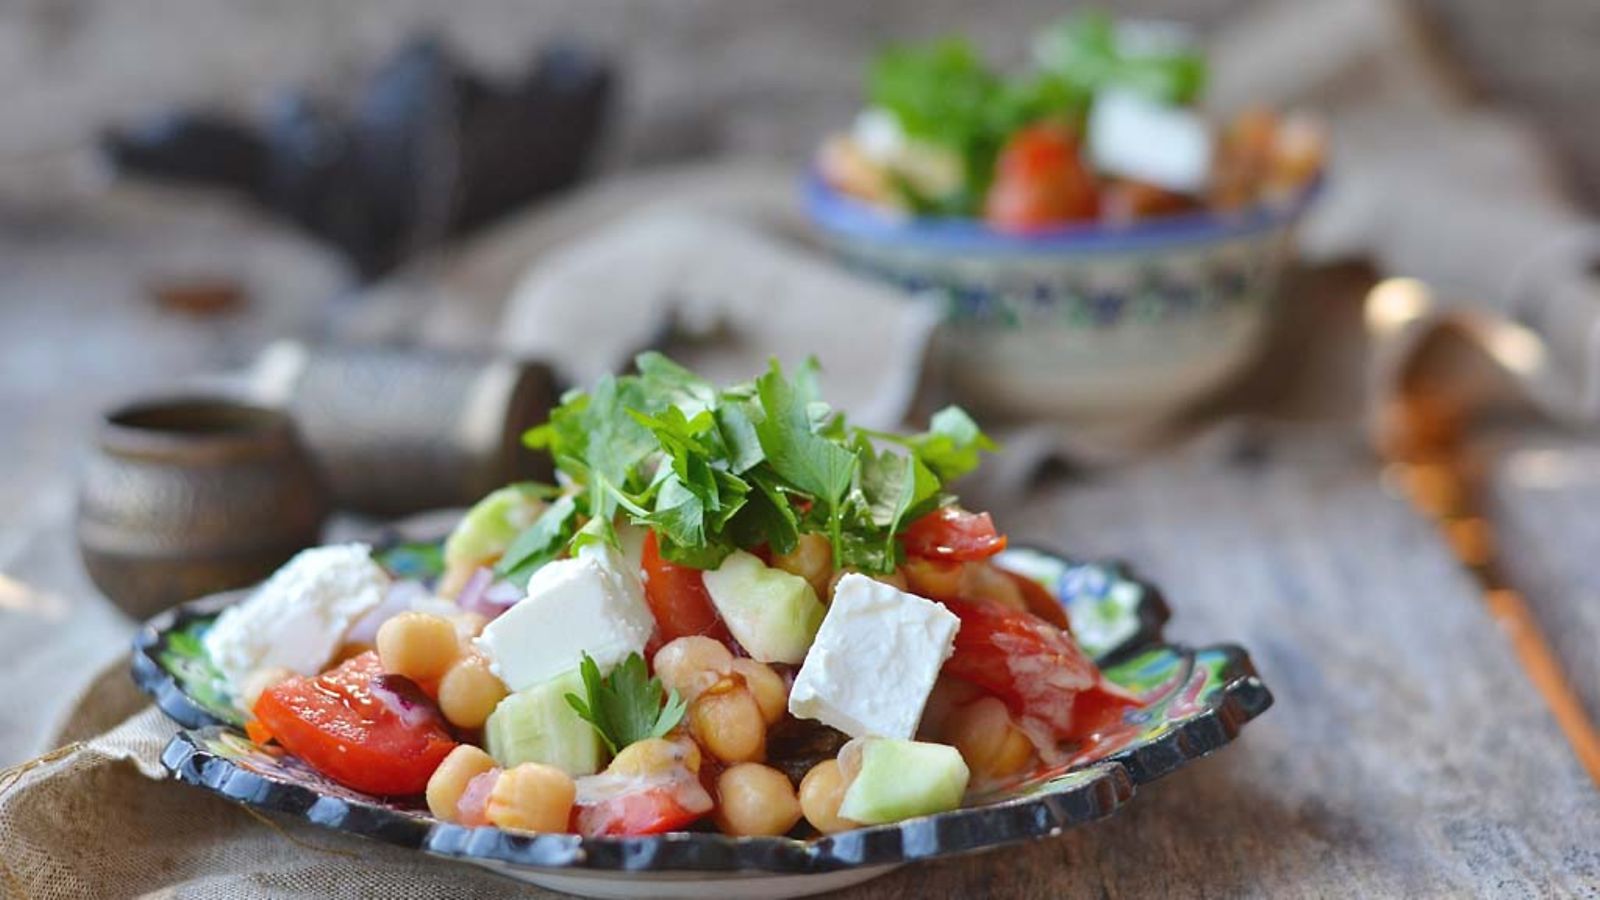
{"x":1099,"y":323}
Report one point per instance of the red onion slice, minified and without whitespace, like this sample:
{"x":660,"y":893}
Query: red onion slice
{"x":401,"y":696}
{"x":483,"y":595}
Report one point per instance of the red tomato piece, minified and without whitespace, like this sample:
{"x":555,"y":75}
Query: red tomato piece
{"x":1025,"y":661}
{"x":651,"y":810}
{"x":1040,"y":182}
{"x":678,"y":598}
{"x":1040,"y":601}
{"x":953,"y":535}
{"x":335,"y":724}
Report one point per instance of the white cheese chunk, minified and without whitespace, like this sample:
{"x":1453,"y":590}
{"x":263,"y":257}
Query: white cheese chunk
{"x":299,"y":617}
{"x":591,"y":604}
{"x":1134,"y":137}
{"x":874,"y":661}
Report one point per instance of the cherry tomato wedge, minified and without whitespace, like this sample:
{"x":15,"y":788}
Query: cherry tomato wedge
{"x":1040,"y":182}
{"x":1025,"y":661}
{"x":651,"y":810}
{"x":337,"y":726}
{"x":953,"y":535}
{"x":678,"y":598}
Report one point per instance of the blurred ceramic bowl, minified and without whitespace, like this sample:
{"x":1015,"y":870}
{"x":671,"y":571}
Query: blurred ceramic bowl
{"x":1104,"y":323}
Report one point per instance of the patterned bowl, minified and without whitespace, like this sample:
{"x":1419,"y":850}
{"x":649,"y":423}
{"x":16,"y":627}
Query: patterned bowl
{"x":1089,"y":323}
{"x":1197,"y":700}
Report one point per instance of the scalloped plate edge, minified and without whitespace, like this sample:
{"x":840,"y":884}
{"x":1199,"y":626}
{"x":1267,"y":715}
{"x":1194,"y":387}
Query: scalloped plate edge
{"x":1102,"y":789}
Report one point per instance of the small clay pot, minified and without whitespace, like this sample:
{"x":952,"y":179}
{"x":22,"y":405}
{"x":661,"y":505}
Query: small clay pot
{"x":188,"y":496}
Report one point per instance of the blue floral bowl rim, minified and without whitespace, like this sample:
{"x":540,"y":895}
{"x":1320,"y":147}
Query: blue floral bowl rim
{"x":843,"y":216}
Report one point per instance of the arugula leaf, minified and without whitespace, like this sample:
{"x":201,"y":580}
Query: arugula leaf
{"x":539,"y":543}
{"x":626,"y":706}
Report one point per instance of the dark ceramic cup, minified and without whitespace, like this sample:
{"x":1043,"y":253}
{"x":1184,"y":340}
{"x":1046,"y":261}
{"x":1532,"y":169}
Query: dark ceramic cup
{"x":193,"y":495}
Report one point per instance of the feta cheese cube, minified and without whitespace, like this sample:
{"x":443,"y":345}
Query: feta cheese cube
{"x":1134,"y":137}
{"x":299,"y":617}
{"x":591,"y":604}
{"x":874,"y":661}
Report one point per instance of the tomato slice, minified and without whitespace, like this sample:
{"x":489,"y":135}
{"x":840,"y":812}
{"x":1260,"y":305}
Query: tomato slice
{"x":1025,"y":661}
{"x":678,"y":598}
{"x":338,"y":727}
{"x":617,"y":805}
{"x":953,"y":535}
{"x":1040,"y":601}
{"x":1040,"y":182}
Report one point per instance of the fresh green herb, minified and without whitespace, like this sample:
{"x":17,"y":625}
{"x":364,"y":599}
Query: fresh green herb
{"x":942,"y":93}
{"x":626,"y":706}
{"x":539,"y":543}
{"x":710,"y":471}
{"x":1085,"y":52}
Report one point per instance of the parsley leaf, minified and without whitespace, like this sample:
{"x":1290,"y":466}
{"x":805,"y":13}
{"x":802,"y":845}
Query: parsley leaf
{"x":538,"y":543}
{"x":815,"y":465}
{"x":626,"y":706}
{"x":952,"y":444}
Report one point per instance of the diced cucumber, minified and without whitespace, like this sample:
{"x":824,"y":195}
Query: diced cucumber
{"x":537,"y":725}
{"x":901,"y":779}
{"x":488,"y":528}
{"x":772,"y":613}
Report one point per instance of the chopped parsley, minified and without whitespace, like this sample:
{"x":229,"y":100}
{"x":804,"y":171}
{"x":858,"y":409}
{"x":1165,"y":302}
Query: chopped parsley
{"x":714,"y":470}
{"x":626,"y":706}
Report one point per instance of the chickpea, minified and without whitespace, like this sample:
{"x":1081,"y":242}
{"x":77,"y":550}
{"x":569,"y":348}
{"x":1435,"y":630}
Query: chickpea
{"x":821,"y":793}
{"x":469,"y":692}
{"x":257,"y":682}
{"x":811,"y":559}
{"x":656,"y":756}
{"x":932,"y":579}
{"x":692,"y":665}
{"x":767,"y":686}
{"x":420,"y":646}
{"x":755,"y":799}
{"x":727,"y":722}
{"x":991,"y":745}
{"x":447,"y":783}
{"x":533,"y":797}
{"x":456,"y":577}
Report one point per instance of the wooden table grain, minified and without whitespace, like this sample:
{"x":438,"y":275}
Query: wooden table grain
{"x":1407,"y":754}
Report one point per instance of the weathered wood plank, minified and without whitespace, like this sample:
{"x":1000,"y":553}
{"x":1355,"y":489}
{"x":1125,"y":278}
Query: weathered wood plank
{"x":1543,"y":493}
{"x":1407,"y":755}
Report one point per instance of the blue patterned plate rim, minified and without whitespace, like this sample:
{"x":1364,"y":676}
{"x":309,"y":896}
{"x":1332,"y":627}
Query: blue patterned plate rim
{"x":1075,"y":798}
{"x":845,"y":216}
{"x":1041,"y":806}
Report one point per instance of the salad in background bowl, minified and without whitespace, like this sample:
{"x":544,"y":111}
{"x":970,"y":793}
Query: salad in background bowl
{"x":1103,"y":249}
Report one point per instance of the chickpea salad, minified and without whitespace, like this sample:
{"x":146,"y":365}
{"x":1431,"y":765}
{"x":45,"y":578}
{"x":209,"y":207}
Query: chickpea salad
{"x":1105,"y":125}
{"x":735,"y":610}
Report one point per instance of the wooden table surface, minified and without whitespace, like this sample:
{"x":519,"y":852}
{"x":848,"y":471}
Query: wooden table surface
{"x":1407,"y":753}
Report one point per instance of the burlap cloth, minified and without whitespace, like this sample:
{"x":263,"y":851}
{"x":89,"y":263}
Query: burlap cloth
{"x":1423,"y":186}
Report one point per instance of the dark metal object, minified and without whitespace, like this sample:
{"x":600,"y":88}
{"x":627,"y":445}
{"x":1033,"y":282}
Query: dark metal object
{"x":397,"y":431}
{"x":427,"y":150}
{"x":189,"y":496}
